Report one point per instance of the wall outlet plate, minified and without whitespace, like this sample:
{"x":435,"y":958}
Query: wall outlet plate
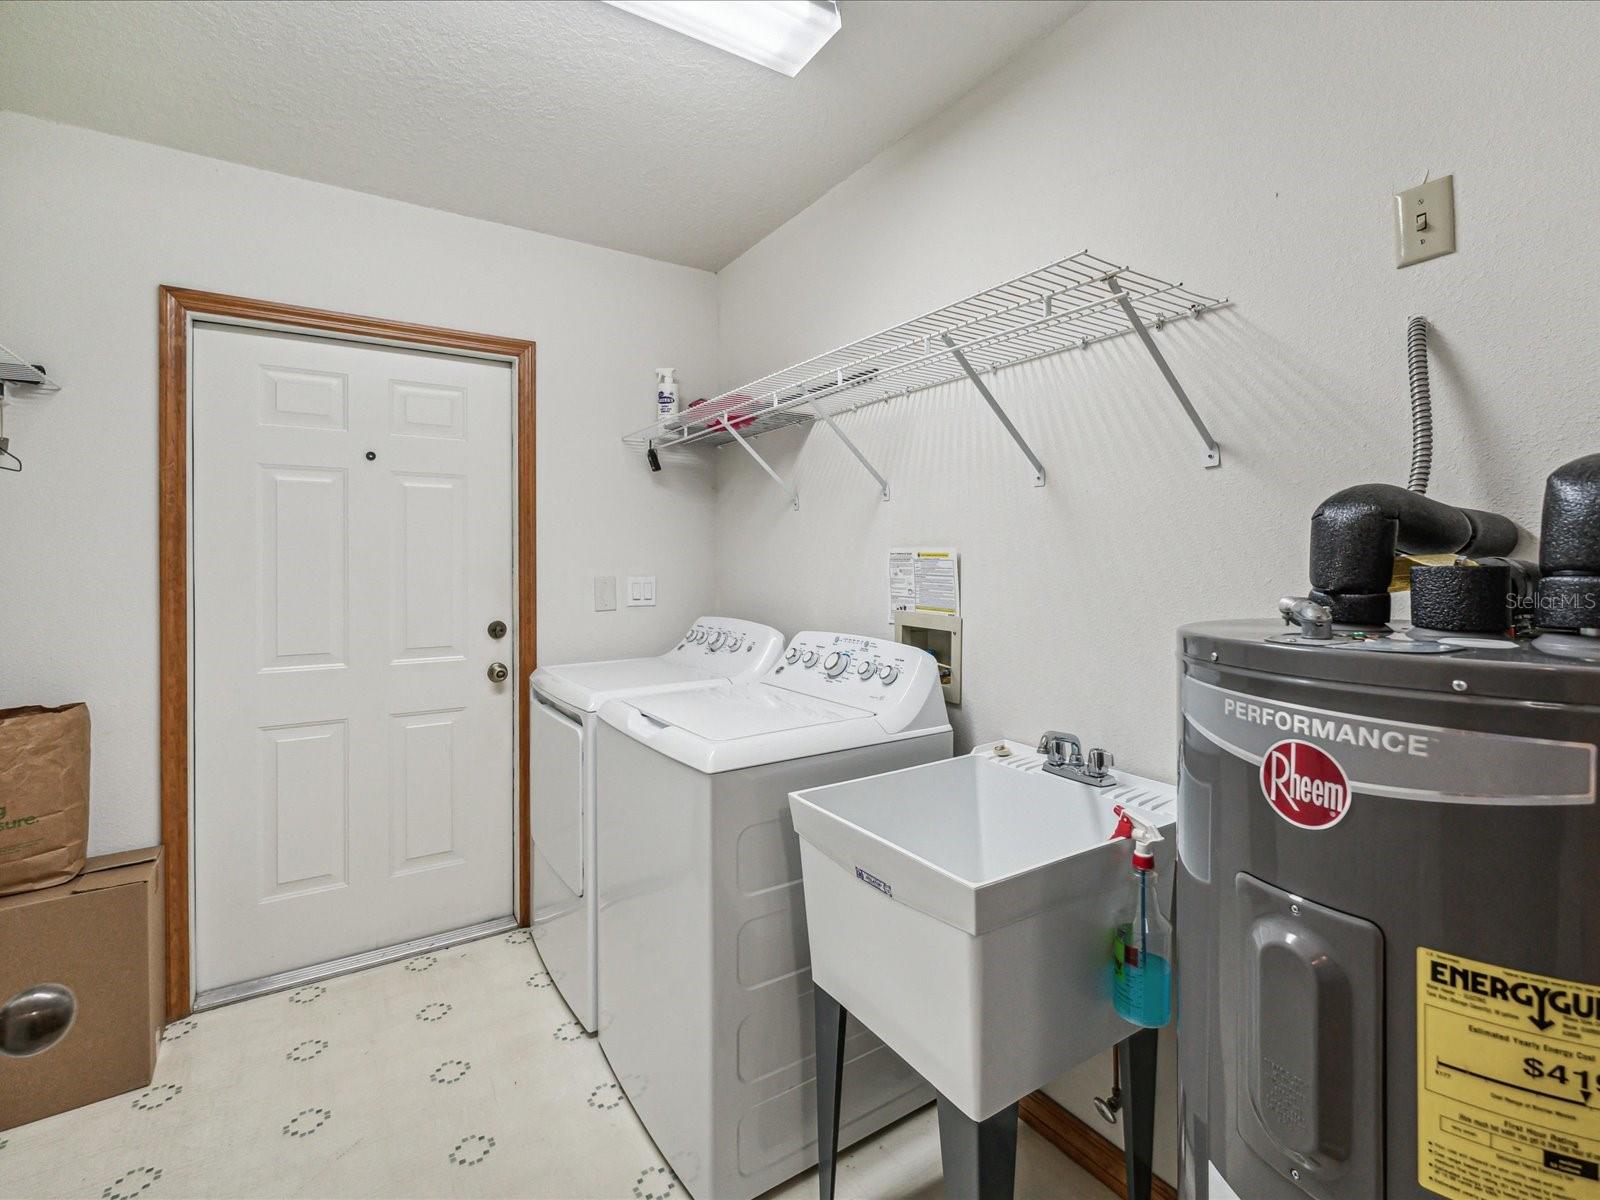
{"x":1425,"y":221}
{"x":605,"y":593}
{"x":641,"y":591}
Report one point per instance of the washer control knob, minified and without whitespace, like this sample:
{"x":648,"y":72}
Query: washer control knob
{"x":835,"y":665}
{"x":867,"y":669}
{"x":734,"y":641}
{"x":793,"y":656}
{"x":717,"y":639}
{"x":697,"y":635}
{"x":810,"y":658}
{"x":888,"y":672}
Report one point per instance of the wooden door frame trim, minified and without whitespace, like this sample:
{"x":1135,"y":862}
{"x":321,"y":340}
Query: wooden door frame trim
{"x":179,"y":308}
{"x":1089,"y":1148}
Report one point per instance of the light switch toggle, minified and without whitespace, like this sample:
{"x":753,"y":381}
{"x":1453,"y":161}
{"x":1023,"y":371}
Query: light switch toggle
{"x":1425,"y":221}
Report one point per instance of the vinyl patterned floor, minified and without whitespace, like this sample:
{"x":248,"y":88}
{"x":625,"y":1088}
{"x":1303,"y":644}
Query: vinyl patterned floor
{"x":458,"y":1073}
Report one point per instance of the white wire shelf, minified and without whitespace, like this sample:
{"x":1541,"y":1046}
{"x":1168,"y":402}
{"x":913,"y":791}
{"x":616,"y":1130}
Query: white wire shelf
{"x":16,"y":370}
{"x":1068,"y":305}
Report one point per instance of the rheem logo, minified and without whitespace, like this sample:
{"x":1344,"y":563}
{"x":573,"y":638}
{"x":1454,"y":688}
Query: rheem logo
{"x":1304,"y":785}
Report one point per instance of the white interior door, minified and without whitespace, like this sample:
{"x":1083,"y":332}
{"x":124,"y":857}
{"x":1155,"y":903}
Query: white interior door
{"x":352,"y":542}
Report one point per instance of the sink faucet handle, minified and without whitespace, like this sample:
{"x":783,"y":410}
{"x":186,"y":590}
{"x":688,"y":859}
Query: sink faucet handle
{"x":1053,"y":745}
{"x":1064,"y":757}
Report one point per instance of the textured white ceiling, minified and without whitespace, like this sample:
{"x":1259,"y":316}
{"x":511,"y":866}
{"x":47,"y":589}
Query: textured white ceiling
{"x":568,"y":117}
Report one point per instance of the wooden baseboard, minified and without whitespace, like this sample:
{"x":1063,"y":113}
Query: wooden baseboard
{"x":1091,"y":1150}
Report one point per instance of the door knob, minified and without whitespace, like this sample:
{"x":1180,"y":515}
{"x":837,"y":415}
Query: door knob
{"x":499,"y":672}
{"x":35,"y":1019}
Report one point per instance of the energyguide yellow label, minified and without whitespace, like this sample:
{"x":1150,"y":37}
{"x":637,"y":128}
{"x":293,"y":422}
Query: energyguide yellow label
{"x":1508,"y":1082}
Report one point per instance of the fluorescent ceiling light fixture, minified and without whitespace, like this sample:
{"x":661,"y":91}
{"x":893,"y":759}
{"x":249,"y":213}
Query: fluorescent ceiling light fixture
{"x":781,"y":34}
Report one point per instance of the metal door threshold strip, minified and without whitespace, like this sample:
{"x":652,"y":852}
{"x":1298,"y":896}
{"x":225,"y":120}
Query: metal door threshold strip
{"x":301,"y":976}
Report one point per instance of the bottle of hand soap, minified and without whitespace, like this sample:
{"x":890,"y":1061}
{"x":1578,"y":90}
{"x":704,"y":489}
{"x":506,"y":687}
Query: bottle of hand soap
{"x":1141,"y":985}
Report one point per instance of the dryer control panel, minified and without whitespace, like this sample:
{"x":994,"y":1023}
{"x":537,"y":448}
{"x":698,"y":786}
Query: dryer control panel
{"x":728,"y":645}
{"x":890,"y":679}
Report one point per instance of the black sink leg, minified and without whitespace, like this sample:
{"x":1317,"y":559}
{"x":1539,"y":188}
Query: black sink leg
{"x":831,"y":1020}
{"x":980,"y":1157}
{"x":1138,"y":1068}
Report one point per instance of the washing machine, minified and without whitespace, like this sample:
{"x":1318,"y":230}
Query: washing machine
{"x":564,"y":700}
{"x":705,"y":984}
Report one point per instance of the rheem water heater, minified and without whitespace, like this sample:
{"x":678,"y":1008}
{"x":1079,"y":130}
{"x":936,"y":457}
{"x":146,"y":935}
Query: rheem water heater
{"x":1389,"y":872}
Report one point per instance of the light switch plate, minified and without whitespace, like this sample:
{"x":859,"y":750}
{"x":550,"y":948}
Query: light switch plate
{"x":1425,"y":221}
{"x":641,"y":591}
{"x":605,"y":593}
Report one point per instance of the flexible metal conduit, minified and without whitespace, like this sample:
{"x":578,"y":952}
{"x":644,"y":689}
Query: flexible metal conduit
{"x":1421,"y":404}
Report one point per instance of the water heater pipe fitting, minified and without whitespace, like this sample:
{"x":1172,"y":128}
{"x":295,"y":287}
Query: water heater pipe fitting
{"x":1569,"y":547}
{"x":1355,"y":534}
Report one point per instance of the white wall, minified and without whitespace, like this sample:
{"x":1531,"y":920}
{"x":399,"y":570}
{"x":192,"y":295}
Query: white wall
{"x":90,"y":225}
{"x":1250,"y":150}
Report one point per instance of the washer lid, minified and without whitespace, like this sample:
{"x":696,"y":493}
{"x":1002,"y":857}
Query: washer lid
{"x":586,"y":686}
{"x":728,"y":727}
{"x":729,"y":712}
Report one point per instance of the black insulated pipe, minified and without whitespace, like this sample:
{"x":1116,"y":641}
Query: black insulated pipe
{"x":1356,"y":533}
{"x":1569,"y":547}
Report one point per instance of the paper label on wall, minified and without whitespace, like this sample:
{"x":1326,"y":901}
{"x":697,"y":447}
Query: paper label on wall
{"x":925,"y":580}
{"x":1508,"y":1067}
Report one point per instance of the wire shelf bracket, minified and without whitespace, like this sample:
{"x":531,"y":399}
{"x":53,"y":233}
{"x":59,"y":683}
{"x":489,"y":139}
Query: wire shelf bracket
{"x":794,"y":496}
{"x":883,"y":484}
{"x":1213,"y":452}
{"x":994,"y":407}
{"x":1066,"y":305}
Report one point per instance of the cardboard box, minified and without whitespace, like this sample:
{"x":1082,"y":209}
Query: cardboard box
{"x":102,"y":936}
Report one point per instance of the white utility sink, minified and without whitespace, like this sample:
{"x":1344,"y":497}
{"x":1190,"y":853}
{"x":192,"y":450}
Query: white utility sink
{"x":964,"y":911}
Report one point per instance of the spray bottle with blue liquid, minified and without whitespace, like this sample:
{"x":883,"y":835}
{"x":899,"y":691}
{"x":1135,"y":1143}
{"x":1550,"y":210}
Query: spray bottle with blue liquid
{"x":1141,"y":986}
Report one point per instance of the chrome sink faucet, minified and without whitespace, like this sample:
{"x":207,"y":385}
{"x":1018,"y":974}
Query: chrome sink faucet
{"x":1092,"y":770}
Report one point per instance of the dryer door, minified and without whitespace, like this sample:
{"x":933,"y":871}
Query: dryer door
{"x":558,"y":800}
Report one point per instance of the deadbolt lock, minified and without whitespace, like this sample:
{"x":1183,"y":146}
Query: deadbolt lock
{"x":497,"y":629}
{"x":499,"y":672}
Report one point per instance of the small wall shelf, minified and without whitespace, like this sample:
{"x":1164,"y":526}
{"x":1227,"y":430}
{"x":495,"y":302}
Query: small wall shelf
{"x":1068,"y":305}
{"x":15,"y":370}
